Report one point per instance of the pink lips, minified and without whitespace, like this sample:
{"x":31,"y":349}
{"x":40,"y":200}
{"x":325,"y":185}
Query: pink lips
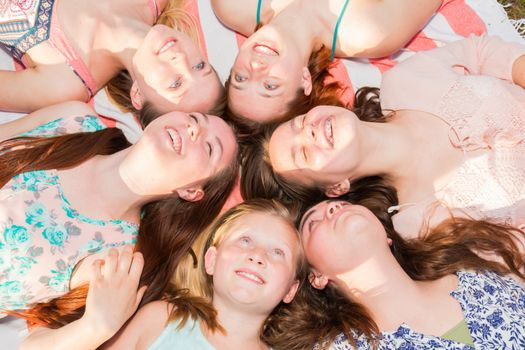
{"x":167,"y":45}
{"x":265,"y":49}
{"x":250,"y":276}
{"x":175,"y":139}
{"x":328,"y":130}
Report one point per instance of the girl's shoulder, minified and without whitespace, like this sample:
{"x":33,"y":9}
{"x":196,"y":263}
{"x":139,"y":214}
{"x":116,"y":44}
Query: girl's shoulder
{"x":144,"y":328}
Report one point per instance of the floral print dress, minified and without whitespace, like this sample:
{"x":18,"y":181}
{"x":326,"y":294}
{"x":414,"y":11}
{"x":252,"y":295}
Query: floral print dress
{"x":42,"y":237}
{"x":494,"y":309}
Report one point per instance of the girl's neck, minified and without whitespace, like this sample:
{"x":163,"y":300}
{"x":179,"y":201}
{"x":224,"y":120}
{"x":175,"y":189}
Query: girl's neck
{"x":96,"y":188}
{"x":384,"y":288}
{"x":243,"y":329}
{"x":296,"y":28}
{"x":384,"y":148}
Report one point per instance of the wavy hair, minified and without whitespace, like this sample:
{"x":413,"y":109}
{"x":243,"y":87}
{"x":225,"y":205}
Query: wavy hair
{"x":167,"y":228}
{"x":260,"y":180}
{"x":318,"y":316}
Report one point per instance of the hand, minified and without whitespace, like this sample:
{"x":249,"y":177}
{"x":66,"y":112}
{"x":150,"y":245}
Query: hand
{"x":113,"y":296}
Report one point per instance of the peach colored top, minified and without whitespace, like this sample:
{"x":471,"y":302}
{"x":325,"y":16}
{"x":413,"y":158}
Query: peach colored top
{"x":468,"y":85}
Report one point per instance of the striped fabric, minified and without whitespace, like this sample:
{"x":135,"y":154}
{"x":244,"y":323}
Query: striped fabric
{"x":454,"y":20}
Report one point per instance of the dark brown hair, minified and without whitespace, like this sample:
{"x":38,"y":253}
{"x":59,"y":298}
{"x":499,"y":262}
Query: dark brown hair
{"x":168,"y":226}
{"x":322,"y":94}
{"x":259,"y":179}
{"x":456,"y":244}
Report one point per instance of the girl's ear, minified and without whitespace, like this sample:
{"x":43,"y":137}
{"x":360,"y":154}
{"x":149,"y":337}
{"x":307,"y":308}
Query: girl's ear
{"x":317,"y":280}
{"x":338,"y":189}
{"x":291,"y":292}
{"x":306,"y":81}
{"x":136,"y":96}
{"x":194,"y":194}
{"x":209,"y":260}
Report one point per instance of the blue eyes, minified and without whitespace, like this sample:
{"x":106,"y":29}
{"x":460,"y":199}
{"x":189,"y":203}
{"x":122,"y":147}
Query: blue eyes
{"x":239,"y":78}
{"x":176,"y":84}
{"x":270,"y":86}
{"x":200,"y":66}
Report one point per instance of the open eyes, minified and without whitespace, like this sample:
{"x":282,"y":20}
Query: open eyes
{"x":176,"y":83}
{"x":239,"y":78}
{"x":199,"y":66}
{"x":278,"y":252}
{"x":270,"y":86}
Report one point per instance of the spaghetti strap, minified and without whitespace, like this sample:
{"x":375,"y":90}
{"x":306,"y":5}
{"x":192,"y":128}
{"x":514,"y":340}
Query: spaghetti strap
{"x":154,"y":9}
{"x":258,"y":16}
{"x":334,"y":40}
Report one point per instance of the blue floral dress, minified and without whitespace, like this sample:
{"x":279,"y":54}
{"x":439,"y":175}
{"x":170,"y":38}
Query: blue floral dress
{"x":42,"y":237}
{"x":494,"y":309}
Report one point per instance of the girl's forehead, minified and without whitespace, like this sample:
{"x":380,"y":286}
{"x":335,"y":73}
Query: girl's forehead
{"x":263,"y":226}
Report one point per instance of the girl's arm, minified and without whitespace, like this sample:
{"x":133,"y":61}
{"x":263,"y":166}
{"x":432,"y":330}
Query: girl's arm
{"x":112,"y":298}
{"x":142,"y":330}
{"x":30,"y":89}
{"x":384,"y":26}
{"x":43,"y":116}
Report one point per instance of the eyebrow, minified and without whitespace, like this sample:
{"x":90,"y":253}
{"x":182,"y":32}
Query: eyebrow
{"x":204,"y":116}
{"x":305,"y":218}
{"x":265,"y":95}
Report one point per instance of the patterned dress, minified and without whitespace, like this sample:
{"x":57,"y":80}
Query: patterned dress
{"x":42,"y":237}
{"x":494,"y":309}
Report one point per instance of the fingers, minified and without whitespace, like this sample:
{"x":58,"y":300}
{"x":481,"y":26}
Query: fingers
{"x":140,"y":294}
{"x":125,"y":258}
{"x":110,"y":263}
{"x":137,"y":265}
{"x":96,"y":269}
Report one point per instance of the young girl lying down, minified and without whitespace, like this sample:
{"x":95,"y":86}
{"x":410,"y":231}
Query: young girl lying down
{"x":246,"y":269}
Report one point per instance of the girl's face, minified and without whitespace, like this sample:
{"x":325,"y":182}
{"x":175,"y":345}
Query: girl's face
{"x":265,"y":78}
{"x":255,"y":264}
{"x":172,"y":73}
{"x":317,"y":148}
{"x":180,"y":151}
{"x":339,"y":236}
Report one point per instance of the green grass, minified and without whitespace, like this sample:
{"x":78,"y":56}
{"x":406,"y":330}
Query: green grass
{"x":517,"y":10}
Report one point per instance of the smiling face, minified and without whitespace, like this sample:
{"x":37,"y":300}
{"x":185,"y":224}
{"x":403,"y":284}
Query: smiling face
{"x":179,"y":150}
{"x":255,"y":263}
{"x":172,"y":73}
{"x":338,"y":236}
{"x":265,"y":78}
{"x":316,"y":149}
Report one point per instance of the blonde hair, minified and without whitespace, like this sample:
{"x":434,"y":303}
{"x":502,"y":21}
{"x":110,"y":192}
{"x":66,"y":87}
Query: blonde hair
{"x":174,"y":15}
{"x":191,"y":283}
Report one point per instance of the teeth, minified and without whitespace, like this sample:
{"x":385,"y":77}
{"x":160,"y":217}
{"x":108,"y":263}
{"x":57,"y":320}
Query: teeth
{"x":167,"y":46}
{"x":265,"y":50}
{"x":250,"y":276}
{"x":175,"y":140}
{"x":328,"y":129}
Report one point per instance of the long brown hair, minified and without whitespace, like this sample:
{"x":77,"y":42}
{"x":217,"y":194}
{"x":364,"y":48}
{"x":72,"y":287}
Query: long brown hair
{"x":260,"y":180}
{"x":322,"y":94}
{"x":175,"y":16}
{"x":167,"y":229}
{"x":193,"y":291}
{"x":454,"y":245}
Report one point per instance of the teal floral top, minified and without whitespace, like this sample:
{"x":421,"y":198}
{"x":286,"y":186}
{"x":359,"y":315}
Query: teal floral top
{"x":42,"y":237}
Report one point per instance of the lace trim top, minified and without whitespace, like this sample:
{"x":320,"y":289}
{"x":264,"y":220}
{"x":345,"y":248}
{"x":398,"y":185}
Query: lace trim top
{"x":468,"y":85}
